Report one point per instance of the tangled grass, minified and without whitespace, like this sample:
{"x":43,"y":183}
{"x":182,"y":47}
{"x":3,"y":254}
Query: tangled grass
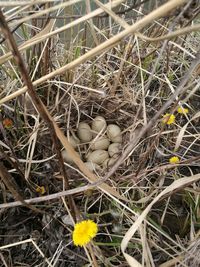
{"x":137,"y":65}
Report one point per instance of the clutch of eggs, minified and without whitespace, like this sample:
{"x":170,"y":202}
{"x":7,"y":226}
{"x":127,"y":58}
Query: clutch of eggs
{"x":103,"y":140}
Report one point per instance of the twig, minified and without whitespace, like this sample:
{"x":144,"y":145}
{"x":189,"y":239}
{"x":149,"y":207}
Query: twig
{"x":92,"y":255}
{"x":52,"y":196}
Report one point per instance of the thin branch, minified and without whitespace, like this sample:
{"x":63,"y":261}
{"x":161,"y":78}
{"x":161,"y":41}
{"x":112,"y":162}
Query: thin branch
{"x":52,"y":196}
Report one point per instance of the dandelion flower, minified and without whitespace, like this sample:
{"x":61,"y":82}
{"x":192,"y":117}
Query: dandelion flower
{"x":40,"y":189}
{"x":7,"y":123}
{"x":84,"y":232}
{"x":174,"y":160}
{"x":182,"y":110}
{"x":168,"y":118}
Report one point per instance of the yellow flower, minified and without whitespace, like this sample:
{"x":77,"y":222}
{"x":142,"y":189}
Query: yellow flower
{"x":174,"y":160}
{"x":84,"y":232}
{"x":182,"y":110}
{"x":168,"y":118}
{"x":40,"y":189}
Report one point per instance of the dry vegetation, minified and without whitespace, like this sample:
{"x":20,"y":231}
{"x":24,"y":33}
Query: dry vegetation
{"x":70,"y":61}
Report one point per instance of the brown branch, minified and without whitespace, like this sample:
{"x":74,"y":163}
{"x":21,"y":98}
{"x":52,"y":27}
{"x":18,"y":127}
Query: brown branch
{"x":37,"y":102}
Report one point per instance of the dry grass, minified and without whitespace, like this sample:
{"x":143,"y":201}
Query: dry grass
{"x":130,"y":64}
